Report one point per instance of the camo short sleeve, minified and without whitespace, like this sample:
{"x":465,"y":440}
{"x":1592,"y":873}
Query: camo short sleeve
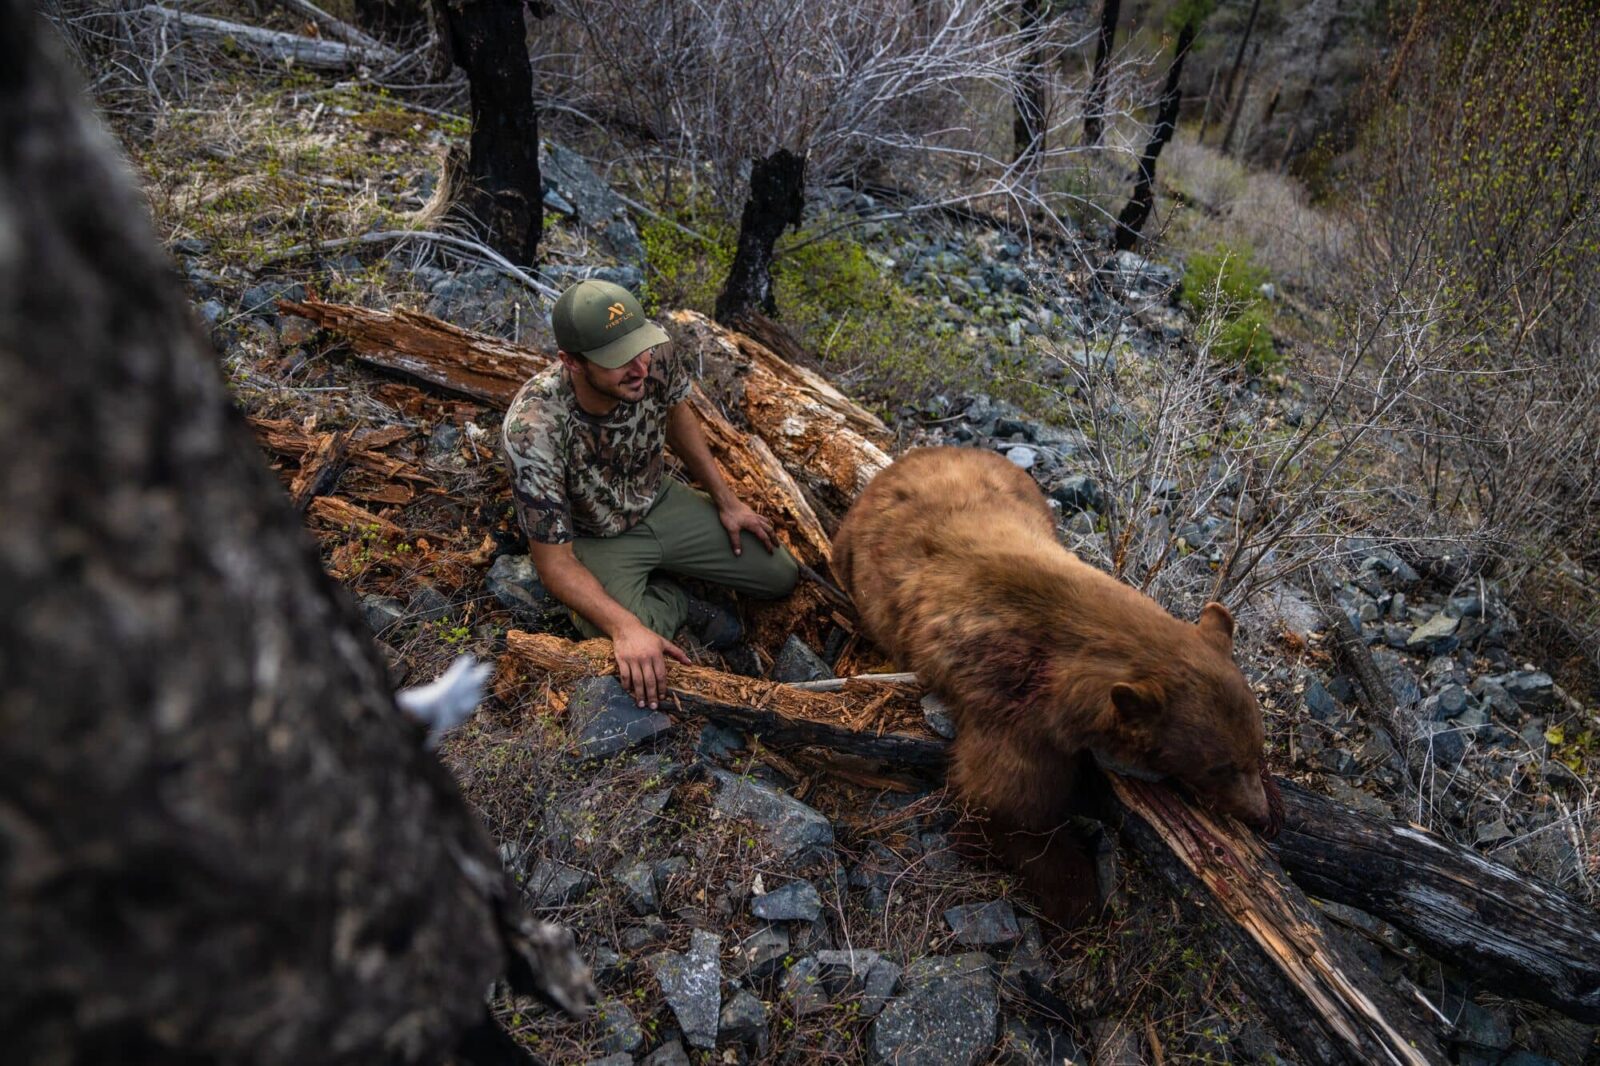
{"x":577,"y":475}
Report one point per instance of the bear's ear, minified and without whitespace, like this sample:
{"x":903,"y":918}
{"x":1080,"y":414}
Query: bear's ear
{"x":1216,"y":621}
{"x":1139,"y":704}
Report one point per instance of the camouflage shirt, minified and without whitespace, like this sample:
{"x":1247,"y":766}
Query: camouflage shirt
{"x":574,"y":474}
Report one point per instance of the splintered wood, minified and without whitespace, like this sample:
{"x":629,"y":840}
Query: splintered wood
{"x":358,"y":467}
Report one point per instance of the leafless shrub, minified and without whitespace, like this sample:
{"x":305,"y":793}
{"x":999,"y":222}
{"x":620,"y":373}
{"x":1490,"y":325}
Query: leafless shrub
{"x":886,"y":88}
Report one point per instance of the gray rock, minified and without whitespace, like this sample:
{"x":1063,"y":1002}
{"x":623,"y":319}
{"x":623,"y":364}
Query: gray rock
{"x":1402,"y":682}
{"x":443,"y":441}
{"x":1531,"y":689}
{"x":1026,"y":1043}
{"x":844,"y":972}
{"x":382,"y":612}
{"x":1321,"y":704}
{"x":1435,"y":636}
{"x":212,"y":312}
{"x":982,"y":924}
{"x":638,"y":884}
{"x":620,"y":1058}
{"x":788,"y":825}
{"x":554,"y":201}
{"x":795,"y":901}
{"x":1447,"y":703}
{"x":1492,"y":832}
{"x":669,"y":1054}
{"x":261,"y":299}
{"x":947,"y":1015}
{"x":551,"y":883}
{"x":1077,"y":493}
{"x":650,"y":931}
{"x":594,"y":203}
{"x":1133,"y":271}
{"x":717,"y":742}
{"x":761,"y":954}
{"x":1023,"y":456}
{"x":428,"y":603}
{"x":1448,"y":742}
{"x":692,"y":985}
{"x":513,"y":581}
{"x":607,"y":720}
{"x":797,"y":662}
{"x":1474,"y":1025}
{"x":744,"y":1021}
{"x":802,"y":987}
{"x":1008,"y":427}
{"x":937,"y":715}
{"x":619,"y":1030}
{"x":883,"y":977}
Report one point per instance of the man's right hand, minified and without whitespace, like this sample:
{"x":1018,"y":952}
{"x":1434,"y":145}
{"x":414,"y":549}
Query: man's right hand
{"x":641,"y":662}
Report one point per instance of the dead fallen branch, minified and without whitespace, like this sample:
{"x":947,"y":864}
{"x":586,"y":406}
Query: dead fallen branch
{"x":320,"y":469}
{"x":323,"y":457}
{"x":341,"y":30}
{"x":313,"y":53}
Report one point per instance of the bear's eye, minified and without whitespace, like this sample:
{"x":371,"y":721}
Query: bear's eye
{"x":1217,"y":773}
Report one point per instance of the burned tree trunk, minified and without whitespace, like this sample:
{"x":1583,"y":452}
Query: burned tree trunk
{"x":1027,"y":96}
{"x":219,"y":840}
{"x":1238,"y":56}
{"x":1130,"y":224}
{"x":393,"y":20}
{"x":504,"y":200}
{"x":777,"y":196}
{"x":1094,"y":112}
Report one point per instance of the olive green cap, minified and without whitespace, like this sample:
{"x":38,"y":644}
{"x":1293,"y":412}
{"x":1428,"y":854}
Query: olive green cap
{"x":603,"y":323}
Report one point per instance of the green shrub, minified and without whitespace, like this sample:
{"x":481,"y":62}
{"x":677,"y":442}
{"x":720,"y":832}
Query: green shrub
{"x":1226,"y":286}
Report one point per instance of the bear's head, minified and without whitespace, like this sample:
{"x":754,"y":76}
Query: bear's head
{"x":1190,"y":715}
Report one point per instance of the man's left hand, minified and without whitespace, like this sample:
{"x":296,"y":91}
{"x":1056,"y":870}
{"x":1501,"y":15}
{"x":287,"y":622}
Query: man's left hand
{"x":737,"y":517}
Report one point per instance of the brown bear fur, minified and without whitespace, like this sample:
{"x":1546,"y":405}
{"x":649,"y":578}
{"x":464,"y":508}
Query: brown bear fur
{"x":952,"y":559}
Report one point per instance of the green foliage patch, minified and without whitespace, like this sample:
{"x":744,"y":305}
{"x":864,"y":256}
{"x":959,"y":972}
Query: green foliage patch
{"x":1224,"y":286}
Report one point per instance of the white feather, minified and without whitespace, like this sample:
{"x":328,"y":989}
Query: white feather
{"x":449,"y":699}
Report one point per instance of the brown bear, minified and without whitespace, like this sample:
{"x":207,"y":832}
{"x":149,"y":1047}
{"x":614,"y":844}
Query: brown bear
{"x":952,"y":559}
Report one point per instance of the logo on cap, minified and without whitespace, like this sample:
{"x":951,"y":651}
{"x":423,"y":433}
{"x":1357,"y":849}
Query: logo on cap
{"x":617,"y":314}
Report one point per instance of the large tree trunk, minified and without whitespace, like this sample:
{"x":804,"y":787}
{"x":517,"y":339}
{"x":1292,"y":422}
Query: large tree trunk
{"x":1027,"y":96}
{"x":1238,"y":56}
{"x":505,"y":198}
{"x":1238,"y":104}
{"x":1094,"y":112}
{"x":1130,"y":224}
{"x":777,"y":197}
{"x":219,"y":840}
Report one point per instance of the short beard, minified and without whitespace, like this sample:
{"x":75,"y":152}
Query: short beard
{"x":608,"y":390}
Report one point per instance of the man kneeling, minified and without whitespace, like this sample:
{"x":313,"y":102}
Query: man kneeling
{"x":605,"y":524}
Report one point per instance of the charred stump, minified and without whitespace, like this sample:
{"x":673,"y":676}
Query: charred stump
{"x":504,"y":198}
{"x":777,"y":197}
{"x":1027,"y":96}
{"x":1130,"y":224}
{"x":219,"y":839}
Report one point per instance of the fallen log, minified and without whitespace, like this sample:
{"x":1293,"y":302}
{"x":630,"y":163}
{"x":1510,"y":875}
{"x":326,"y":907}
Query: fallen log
{"x":1517,"y":936}
{"x":313,"y":53}
{"x":320,"y":469}
{"x":1520,"y":937}
{"x":375,"y":477}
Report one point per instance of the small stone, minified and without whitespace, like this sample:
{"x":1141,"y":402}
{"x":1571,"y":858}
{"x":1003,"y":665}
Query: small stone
{"x":638,"y":887}
{"x":428,"y":603}
{"x":1015,"y":427}
{"x":669,"y":1054}
{"x":744,"y":1021}
{"x":692,"y":985}
{"x":619,"y":1030}
{"x":1321,"y":704}
{"x":212,"y":311}
{"x":1028,"y":1043}
{"x":1077,"y":493}
{"x":1434,"y":636}
{"x":552,"y":884}
{"x":788,"y":825}
{"x":795,"y":901}
{"x":1530,"y":689}
{"x":382,"y":612}
{"x":797,"y":662}
{"x":802,"y":987}
{"x":883,"y":977}
{"x":651,"y":931}
{"x":607,"y":720}
{"x":516,"y":585}
{"x":262,"y":298}
{"x":843,"y":972}
{"x":937,"y":714}
{"x":1023,"y":456}
{"x":1448,"y":743}
{"x":983,"y":924}
{"x":1493,"y":832}
{"x":761,"y":954}
{"x":947,"y":1015}
{"x":1447,"y":703}
{"x":620,"y":1058}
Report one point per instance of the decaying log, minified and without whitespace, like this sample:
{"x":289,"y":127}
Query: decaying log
{"x":320,"y":469}
{"x":1324,"y":1002}
{"x":810,"y":426}
{"x":313,"y":53}
{"x":344,"y":515}
{"x":421,"y":346}
{"x":375,"y":477}
{"x":1517,"y":936}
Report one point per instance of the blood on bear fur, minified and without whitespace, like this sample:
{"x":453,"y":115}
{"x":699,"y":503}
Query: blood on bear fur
{"x":952,"y":559}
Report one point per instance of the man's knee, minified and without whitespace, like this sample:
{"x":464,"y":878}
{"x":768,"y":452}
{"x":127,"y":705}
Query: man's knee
{"x":773,"y":575}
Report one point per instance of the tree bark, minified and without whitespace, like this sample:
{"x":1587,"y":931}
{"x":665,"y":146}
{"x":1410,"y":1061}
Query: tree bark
{"x":395,"y":21}
{"x":504,"y":200}
{"x":219,"y":839}
{"x":1238,"y":104}
{"x":1238,"y":55}
{"x":1027,"y":97}
{"x":777,"y":197}
{"x":1130,"y":224}
{"x":1094,"y":112}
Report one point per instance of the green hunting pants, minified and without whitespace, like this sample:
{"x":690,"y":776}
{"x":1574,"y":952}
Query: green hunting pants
{"x":680,"y":535}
